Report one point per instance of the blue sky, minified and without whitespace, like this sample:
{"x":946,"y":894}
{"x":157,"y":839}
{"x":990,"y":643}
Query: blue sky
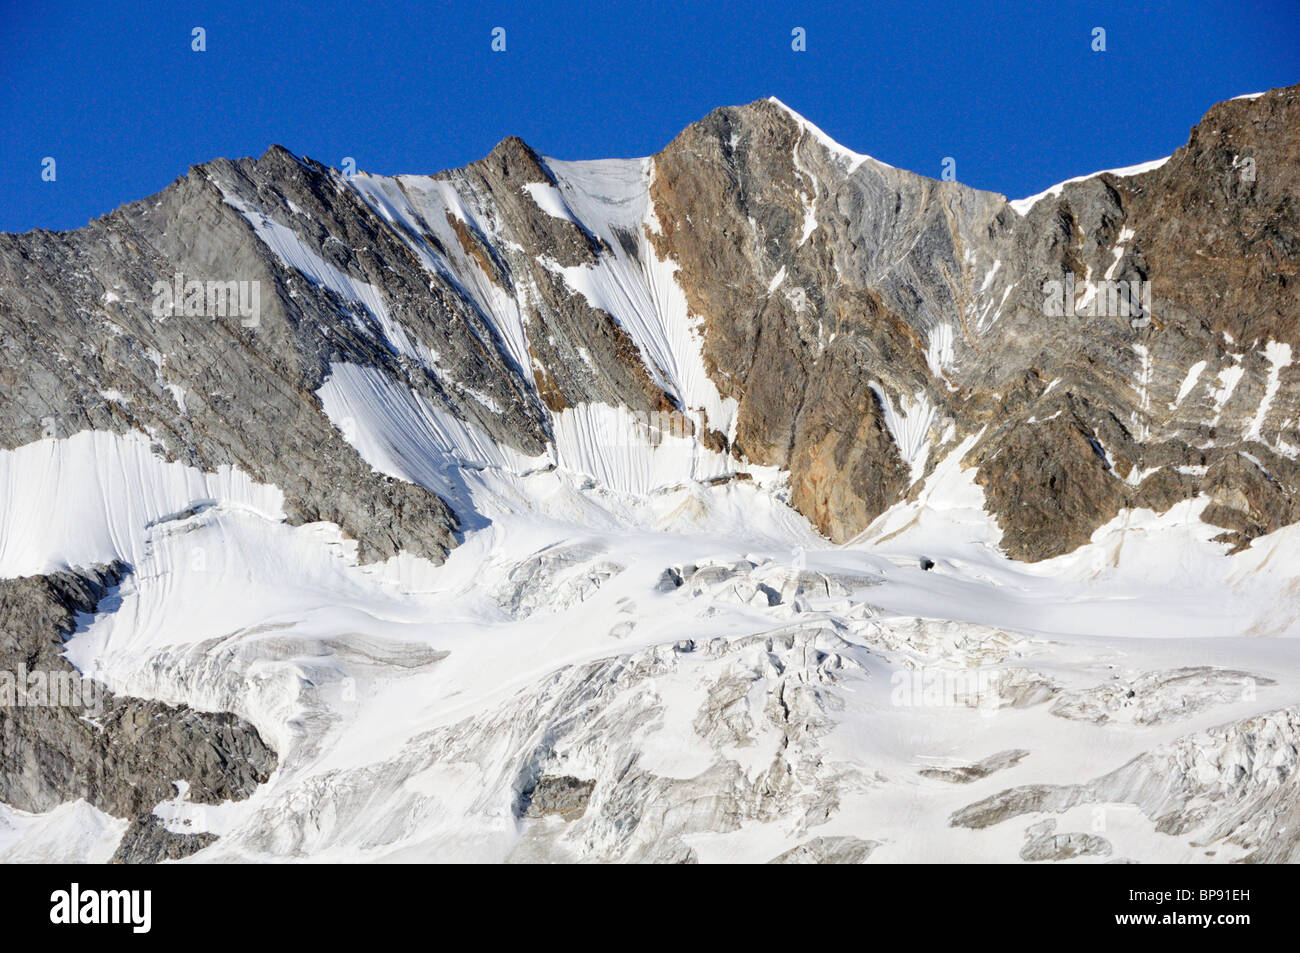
{"x":1012,"y":91}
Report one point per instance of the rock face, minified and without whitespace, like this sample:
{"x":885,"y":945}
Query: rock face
{"x":877,"y":297}
{"x":356,"y":374}
{"x":827,"y":850}
{"x":123,"y":755}
{"x":1235,"y":783}
{"x":863,"y":319}
{"x":148,"y":841}
{"x":966,"y":773}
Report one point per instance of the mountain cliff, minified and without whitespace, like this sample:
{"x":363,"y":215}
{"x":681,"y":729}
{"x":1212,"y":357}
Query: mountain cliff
{"x":449,"y":489}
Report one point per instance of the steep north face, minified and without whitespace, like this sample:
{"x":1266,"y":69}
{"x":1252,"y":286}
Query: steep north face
{"x":278,"y":385}
{"x":856,"y":322}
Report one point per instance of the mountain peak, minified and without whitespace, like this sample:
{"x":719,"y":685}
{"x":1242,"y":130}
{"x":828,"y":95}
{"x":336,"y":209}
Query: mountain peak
{"x":851,"y":159}
{"x":516,"y":159}
{"x":592,"y":510}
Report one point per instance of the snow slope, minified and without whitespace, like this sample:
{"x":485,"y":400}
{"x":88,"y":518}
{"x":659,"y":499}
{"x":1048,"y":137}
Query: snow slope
{"x":409,"y":703}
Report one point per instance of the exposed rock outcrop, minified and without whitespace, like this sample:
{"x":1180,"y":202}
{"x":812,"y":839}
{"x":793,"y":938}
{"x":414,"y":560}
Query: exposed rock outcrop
{"x":122,"y":755}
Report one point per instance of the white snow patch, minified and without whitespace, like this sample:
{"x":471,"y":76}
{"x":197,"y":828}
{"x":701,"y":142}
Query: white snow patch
{"x":90,"y":498}
{"x":1189,"y":382}
{"x":1279,"y":357}
{"x":850,"y":159}
{"x":1142,"y":415}
{"x":72,"y":833}
{"x":178,"y":395}
{"x":1229,"y":377}
{"x":1125,"y":235}
{"x":1022,"y":206}
{"x":909,"y":424}
{"x":776,"y":280}
{"x":549,"y":200}
{"x":988,"y":279}
{"x":939,"y":353}
{"x":612,"y":197}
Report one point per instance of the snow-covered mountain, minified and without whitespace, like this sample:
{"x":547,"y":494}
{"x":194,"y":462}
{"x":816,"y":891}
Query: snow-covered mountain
{"x":751,"y":501}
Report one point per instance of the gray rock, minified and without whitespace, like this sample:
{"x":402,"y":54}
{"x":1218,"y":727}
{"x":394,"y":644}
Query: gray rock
{"x":148,"y":841}
{"x":966,"y":773}
{"x":828,"y":850}
{"x":123,"y":755}
{"x":565,"y":795}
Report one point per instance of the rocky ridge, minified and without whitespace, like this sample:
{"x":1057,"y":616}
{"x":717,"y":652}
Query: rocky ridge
{"x":794,"y":315}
